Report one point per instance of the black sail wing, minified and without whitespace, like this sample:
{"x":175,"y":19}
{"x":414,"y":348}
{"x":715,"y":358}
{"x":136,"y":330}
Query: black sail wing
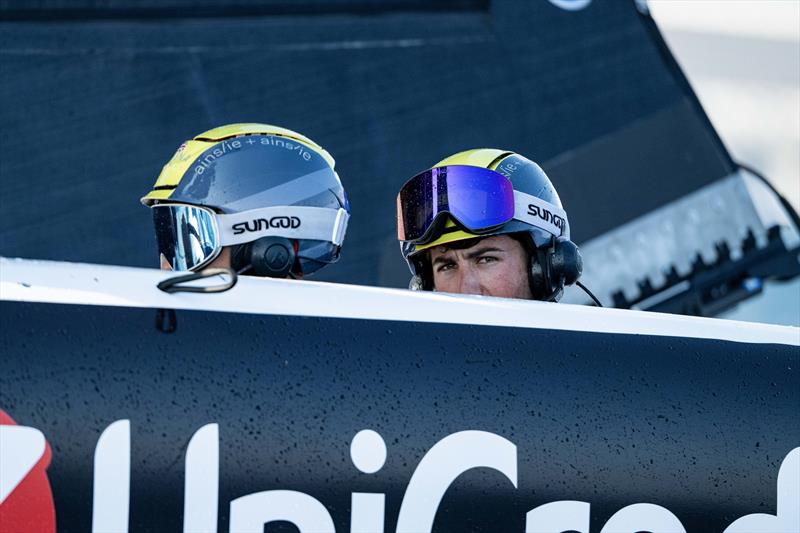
{"x":98,"y":96}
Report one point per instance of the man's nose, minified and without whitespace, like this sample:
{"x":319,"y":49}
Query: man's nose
{"x":469,"y":281}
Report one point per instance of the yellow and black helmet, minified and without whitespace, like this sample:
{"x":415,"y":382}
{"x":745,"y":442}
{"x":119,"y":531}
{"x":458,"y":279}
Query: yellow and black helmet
{"x":480,"y":193}
{"x":184,"y":178}
{"x":253,"y":179}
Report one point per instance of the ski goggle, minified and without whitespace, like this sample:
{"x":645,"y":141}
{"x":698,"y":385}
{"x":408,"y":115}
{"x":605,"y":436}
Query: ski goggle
{"x":190,"y":237}
{"x":187,"y":236}
{"x":478,"y":198}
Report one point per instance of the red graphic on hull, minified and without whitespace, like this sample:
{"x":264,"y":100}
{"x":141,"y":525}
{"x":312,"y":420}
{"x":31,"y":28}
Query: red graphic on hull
{"x":29,"y":506}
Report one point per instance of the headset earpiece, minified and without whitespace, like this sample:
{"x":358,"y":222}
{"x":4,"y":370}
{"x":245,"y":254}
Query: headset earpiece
{"x":566,"y":262}
{"x":553,"y":268}
{"x":272,"y":256}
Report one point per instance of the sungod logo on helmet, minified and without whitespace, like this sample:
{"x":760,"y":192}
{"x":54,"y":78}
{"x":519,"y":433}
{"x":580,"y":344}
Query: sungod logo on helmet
{"x":547,"y":216}
{"x":260,"y":224}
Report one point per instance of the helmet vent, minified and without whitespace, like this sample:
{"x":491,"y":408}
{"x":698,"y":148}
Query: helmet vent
{"x":496,"y":161}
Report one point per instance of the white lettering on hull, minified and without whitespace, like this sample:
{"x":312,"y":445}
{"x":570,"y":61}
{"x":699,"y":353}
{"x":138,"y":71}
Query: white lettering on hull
{"x":439,"y":467}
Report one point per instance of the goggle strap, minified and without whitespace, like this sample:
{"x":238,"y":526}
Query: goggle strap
{"x":296,"y":222}
{"x":542,"y":214}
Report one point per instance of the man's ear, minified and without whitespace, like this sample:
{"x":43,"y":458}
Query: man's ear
{"x":164,"y":263}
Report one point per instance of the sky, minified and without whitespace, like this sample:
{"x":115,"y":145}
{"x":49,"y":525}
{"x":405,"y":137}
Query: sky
{"x":742,"y":58}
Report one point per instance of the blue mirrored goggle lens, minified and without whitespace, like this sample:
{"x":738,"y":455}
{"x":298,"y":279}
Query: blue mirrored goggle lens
{"x":480,"y":199}
{"x":186,"y":235}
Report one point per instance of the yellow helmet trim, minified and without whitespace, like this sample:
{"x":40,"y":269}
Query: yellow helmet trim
{"x":253,"y":128}
{"x":174,"y":170}
{"x":186,"y":154}
{"x":481,"y":157}
{"x":450,"y":236}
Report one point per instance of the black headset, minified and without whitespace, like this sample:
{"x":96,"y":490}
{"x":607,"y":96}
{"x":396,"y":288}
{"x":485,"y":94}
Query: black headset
{"x":551,"y":268}
{"x":271,"y":257}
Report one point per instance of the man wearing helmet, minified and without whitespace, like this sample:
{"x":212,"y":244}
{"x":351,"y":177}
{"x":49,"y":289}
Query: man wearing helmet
{"x":486,"y":222}
{"x":259,"y":199}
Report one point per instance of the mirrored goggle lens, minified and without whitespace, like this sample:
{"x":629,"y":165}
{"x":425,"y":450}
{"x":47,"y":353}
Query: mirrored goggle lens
{"x":478,"y":198}
{"x":187,"y":236}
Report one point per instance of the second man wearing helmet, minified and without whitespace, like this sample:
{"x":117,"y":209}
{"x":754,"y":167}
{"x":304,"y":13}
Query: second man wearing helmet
{"x":486,"y":222}
{"x":260,"y":199}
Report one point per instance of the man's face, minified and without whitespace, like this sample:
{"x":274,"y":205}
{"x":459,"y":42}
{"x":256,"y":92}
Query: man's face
{"x":493,"y":266}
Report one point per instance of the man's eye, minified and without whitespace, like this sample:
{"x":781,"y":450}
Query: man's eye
{"x":445,"y":266}
{"x":487,"y":259}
